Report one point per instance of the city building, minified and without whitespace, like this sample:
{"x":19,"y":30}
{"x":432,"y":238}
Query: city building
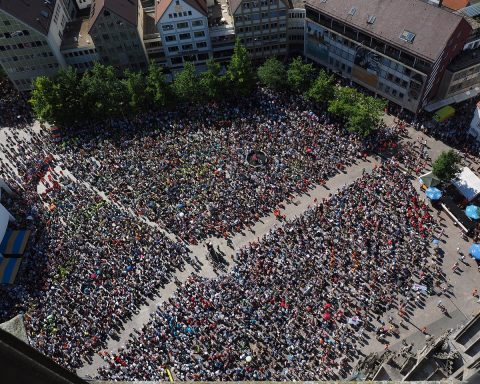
{"x":77,"y":46}
{"x":183,"y":27}
{"x":222,"y":31}
{"x":296,"y":28}
{"x":461,"y":80}
{"x":30,"y":38}
{"x":397,"y":49}
{"x":83,"y":4}
{"x":261,"y":25}
{"x":116,"y":28}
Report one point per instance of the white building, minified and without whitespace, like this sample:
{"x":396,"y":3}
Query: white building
{"x":183,"y":27}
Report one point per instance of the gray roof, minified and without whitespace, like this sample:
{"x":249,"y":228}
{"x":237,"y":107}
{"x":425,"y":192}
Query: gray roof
{"x":432,"y":26}
{"x":37,"y":14}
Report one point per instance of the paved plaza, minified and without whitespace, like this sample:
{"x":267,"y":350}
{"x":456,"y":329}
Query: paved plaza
{"x":428,"y":318}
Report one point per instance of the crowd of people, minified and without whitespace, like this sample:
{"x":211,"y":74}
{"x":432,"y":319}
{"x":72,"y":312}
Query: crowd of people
{"x":90,"y":266}
{"x":298,"y":302}
{"x":189,"y":172}
{"x":92,"y":263}
{"x":15,"y":110}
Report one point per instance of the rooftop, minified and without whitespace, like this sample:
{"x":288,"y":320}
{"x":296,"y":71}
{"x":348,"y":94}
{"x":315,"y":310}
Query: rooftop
{"x":162,"y":6}
{"x":218,"y":14}
{"x":126,"y":9}
{"x":411,"y":25}
{"x":455,"y":4}
{"x":37,"y":14}
{"x":76,"y":35}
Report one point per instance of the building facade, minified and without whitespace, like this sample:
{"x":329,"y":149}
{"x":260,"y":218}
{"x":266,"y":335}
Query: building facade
{"x":296,"y":28}
{"x":183,"y":27}
{"x":116,"y":28}
{"x":261,"y":25}
{"x":399,"y":50}
{"x":30,"y":38}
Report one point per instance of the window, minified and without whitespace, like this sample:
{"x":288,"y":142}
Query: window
{"x":182,"y":25}
{"x":407,"y":36}
{"x":202,"y":44}
{"x":185,"y":36}
{"x":199,"y":34}
{"x":173,"y":49}
{"x":187,"y":47}
{"x":203,"y":56}
{"x":177,"y":60}
{"x":197,"y":23}
{"x":167,"y":27}
{"x":170,"y":38}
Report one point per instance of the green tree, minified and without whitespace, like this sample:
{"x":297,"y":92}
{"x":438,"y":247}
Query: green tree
{"x":272,"y":74}
{"x":240,"y":72}
{"x":43,"y":99}
{"x":135,"y":84}
{"x":58,"y":100}
{"x":157,"y":89}
{"x":212,"y":83}
{"x":343,"y":104}
{"x":185,"y":84}
{"x":322,"y":89}
{"x":366,"y":115}
{"x":300,"y":75}
{"x":104,"y":95}
{"x":447,"y":165}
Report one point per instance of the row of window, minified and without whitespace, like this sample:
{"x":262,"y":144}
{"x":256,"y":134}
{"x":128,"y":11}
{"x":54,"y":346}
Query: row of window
{"x":11,"y":35}
{"x":260,"y":27}
{"x":182,"y":25}
{"x":29,"y":44}
{"x":190,"y":58}
{"x":81,"y":53}
{"x":44,"y":67}
{"x":187,"y":47}
{"x":261,"y":15}
{"x":179,"y":14}
{"x":267,"y":48}
{"x":249,"y":40}
{"x":296,"y":15}
{"x":32,"y":56}
{"x":88,"y":64}
{"x":257,"y":4}
{"x":185,"y":36}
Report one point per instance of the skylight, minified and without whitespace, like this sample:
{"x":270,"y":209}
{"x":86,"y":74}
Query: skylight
{"x":353,"y":10}
{"x":371,"y":19}
{"x":407,"y":36}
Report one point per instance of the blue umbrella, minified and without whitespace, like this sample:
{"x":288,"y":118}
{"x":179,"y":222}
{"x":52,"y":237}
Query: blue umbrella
{"x":435,"y":242}
{"x":473,"y":212}
{"x":475,"y":251}
{"x":433,"y":193}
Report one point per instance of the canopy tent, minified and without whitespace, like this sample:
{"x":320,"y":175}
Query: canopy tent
{"x":444,"y":113}
{"x":5,"y":217}
{"x":429,"y":180}
{"x":14,"y":243}
{"x":8,"y":269}
{"x":468,"y":184}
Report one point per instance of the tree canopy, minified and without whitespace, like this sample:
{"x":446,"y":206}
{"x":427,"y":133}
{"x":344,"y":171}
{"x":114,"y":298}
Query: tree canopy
{"x":185,"y":86}
{"x":300,"y":75}
{"x":322,"y":89}
{"x":272,"y":74}
{"x":212,"y":83}
{"x":361,"y":113}
{"x":240,"y":71}
{"x":447,"y":165}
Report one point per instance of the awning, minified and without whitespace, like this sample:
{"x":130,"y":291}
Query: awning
{"x":467,"y":183}
{"x":14,"y":242}
{"x":444,"y":113}
{"x":8,"y":269}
